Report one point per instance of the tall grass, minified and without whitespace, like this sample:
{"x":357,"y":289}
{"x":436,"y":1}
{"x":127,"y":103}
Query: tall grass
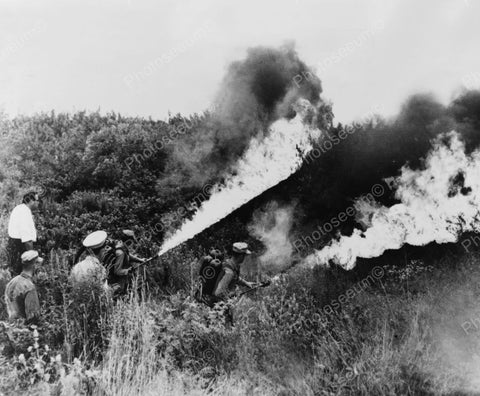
{"x":397,"y":337}
{"x":382,"y":343}
{"x":135,"y":365}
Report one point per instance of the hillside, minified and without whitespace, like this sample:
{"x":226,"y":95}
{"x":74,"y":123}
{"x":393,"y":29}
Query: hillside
{"x":386,"y":318}
{"x":393,"y":331}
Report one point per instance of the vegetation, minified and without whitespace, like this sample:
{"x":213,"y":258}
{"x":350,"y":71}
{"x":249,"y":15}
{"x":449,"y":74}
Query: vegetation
{"x":399,"y":333}
{"x":409,"y":340}
{"x":108,"y":171}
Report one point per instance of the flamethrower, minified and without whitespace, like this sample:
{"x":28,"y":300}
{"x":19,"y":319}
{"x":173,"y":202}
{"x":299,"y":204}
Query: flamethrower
{"x":258,"y":286}
{"x":147,"y":261}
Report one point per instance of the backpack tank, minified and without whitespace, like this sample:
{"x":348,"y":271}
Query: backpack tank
{"x":210,"y":273}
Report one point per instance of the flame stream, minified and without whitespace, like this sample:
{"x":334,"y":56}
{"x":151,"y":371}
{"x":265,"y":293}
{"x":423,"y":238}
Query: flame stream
{"x":266,"y":163}
{"x":433,"y":207}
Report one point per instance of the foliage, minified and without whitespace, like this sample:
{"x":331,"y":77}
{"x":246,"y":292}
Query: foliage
{"x":109,"y":172}
{"x":93,"y":171}
{"x":281,"y":341}
{"x":350,"y":159}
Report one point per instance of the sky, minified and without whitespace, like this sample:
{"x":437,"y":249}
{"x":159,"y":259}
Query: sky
{"x":151,"y":58}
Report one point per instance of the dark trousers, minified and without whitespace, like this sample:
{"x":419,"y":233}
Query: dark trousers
{"x":15,"y":248}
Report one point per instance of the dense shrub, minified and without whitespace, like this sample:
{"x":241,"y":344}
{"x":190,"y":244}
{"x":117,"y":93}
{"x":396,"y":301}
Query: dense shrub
{"x":100,"y":172}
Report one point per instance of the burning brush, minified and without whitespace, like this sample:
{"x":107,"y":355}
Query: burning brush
{"x":438,"y":203}
{"x":266,"y":163}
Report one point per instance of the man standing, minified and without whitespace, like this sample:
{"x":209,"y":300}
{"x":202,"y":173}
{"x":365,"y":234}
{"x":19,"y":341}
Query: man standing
{"x":21,"y":230}
{"x":21,"y":296}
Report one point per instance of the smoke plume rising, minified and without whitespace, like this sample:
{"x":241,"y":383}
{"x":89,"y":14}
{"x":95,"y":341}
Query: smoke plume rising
{"x":254,"y":93}
{"x":272,"y":225}
{"x":438,"y":202}
{"x":260,"y":88}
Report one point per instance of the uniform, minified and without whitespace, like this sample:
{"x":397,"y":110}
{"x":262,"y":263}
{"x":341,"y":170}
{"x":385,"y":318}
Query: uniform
{"x":90,"y":269}
{"x":118,"y":267}
{"x":230,"y":278}
{"x":21,"y":299}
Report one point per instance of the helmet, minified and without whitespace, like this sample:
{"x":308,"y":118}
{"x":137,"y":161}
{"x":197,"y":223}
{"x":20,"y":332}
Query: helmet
{"x":241,"y":247}
{"x":95,"y":240}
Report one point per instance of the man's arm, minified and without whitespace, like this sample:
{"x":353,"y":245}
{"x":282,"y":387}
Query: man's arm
{"x":136,"y":259}
{"x":32,"y":307}
{"x":243,"y":282}
{"x":221,"y":290}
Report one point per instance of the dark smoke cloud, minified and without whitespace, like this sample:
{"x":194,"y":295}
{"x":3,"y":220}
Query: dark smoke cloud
{"x":257,"y":87}
{"x":255,"y":92}
{"x":465,"y":110}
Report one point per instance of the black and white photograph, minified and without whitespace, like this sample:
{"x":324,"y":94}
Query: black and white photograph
{"x":239,"y":198}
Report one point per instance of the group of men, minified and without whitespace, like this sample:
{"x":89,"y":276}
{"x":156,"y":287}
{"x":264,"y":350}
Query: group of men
{"x":110,"y":260}
{"x":113,"y":257}
{"x":21,"y":297}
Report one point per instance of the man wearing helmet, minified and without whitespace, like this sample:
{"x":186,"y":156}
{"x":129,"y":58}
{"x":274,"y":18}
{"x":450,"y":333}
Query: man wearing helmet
{"x":231,"y":272}
{"x":90,"y":269}
{"x":218,"y":280}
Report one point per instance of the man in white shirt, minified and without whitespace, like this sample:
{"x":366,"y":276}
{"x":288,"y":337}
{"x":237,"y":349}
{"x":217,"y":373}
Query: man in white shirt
{"x":21,"y":230}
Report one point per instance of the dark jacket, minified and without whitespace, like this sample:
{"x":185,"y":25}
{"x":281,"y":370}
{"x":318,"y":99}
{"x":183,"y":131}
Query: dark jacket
{"x":118,"y":262}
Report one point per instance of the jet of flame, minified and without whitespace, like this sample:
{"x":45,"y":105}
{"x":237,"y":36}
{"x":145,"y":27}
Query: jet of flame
{"x":266,"y":162}
{"x":437,"y":204}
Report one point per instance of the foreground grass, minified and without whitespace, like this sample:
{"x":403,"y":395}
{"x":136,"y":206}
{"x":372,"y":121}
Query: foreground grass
{"x":409,"y":334}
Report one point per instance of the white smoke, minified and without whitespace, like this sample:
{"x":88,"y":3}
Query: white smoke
{"x":437,"y":204}
{"x":272,"y":226}
{"x":267,"y":161}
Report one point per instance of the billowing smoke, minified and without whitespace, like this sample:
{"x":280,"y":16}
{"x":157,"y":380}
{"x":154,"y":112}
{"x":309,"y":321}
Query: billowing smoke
{"x":272,"y":225}
{"x":437,"y":203}
{"x":261,"y":88}
{"x":255,"y":92}
{"x":262,"y":126}
{"x":266,"y":162}
{"x":353,"y":158}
